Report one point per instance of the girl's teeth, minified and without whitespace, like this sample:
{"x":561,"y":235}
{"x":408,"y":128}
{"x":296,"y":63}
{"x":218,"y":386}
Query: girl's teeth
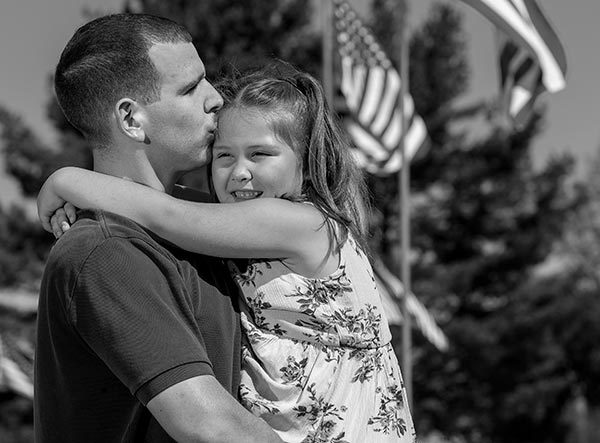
{"x":246,"y":194}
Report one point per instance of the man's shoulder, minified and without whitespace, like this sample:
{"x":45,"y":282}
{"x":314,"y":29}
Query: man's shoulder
{"x":97,"y":235}
{"x":94,"y":229}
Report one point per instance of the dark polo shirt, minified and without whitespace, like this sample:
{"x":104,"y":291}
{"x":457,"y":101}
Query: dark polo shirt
{"x":123,"y":316}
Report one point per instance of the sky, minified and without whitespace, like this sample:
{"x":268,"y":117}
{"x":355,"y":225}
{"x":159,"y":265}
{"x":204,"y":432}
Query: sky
{"x":33,"y":33}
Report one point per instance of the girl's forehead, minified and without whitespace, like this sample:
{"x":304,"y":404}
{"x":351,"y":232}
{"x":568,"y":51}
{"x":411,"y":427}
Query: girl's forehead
{"x":235,"y":115}
{"x":242,"y":111}
{"x":237,"y":119}
{"x":243,"y":122}
{"x":240,"y":127}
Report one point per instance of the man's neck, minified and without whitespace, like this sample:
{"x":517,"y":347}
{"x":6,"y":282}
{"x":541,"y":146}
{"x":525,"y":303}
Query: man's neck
{"x":136,"y":168}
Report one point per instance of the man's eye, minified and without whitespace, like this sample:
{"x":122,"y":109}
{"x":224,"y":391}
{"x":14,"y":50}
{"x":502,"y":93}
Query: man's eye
{"x":191,"y":90}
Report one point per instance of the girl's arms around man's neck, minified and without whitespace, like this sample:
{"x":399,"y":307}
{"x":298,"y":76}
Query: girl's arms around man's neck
{"x":259,"y":228}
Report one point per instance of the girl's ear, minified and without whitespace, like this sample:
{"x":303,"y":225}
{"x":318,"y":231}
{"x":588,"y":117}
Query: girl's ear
{"x":130,"y":118}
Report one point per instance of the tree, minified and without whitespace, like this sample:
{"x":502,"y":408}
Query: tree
{"x":24,"y":246}
{"x":482,"y":219}
{"x":26,"y":157}
{"x":246,"y":33}
{"x":29,"y":160}
{"x":23,"y":243}
{"x":582,"y":237}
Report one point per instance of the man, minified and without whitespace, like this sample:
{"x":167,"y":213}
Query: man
{"x":132,"y":343}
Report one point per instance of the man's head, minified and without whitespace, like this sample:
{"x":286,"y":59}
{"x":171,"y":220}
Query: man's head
{"x":107,"y":59}
{"x":123,"y":71}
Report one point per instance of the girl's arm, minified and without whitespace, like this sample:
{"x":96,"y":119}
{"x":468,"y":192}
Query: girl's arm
{"x":259,"y":228}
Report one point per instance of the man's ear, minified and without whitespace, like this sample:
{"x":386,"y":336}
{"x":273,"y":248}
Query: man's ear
{"x":130,"y":118}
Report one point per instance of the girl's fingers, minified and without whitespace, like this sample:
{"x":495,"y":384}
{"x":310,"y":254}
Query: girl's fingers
{"x":63,"y":221}
{"x":55,"y":226}
{"x":70,"y":211}
{"x":60,"y":223}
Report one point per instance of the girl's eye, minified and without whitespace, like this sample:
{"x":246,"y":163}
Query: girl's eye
{"x":222,"y":155}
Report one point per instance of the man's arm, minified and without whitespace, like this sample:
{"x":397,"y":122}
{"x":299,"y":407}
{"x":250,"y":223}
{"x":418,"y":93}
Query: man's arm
{"x":200,"y":410}
{"x":129,"y":312}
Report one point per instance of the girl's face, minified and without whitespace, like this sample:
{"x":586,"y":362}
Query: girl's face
{"x":250,"y":161}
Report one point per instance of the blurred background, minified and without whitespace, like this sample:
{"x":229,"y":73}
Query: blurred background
{"x":504,"y":219}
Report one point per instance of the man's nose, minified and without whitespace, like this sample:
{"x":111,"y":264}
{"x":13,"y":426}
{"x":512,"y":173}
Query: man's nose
{"x":214,"y":101}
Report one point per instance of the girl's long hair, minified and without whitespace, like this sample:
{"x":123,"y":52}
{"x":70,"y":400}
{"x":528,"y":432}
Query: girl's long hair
{"x":294,"y":105}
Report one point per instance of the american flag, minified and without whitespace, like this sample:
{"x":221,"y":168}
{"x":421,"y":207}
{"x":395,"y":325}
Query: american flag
{"x":371,"y":87}
{"x":532,"y":59}
{"x":392,"y":292}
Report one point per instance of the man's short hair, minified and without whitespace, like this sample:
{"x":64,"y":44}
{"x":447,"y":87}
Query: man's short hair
{"x":106,"y":60}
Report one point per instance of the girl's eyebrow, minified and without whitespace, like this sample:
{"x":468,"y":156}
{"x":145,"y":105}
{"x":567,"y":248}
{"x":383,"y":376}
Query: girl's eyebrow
{"x":264,"y":146}
{"x":256,"y":146}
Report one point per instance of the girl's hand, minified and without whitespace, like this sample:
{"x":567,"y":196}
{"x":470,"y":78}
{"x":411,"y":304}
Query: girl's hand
{"x":48,"y":202}
{"x":62,"y":219}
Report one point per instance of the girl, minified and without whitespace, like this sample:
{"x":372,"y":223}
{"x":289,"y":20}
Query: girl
{"x":318,"y":364}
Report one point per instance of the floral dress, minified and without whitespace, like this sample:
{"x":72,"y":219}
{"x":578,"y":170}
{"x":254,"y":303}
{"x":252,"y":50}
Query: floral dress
{"x":318,"y":365}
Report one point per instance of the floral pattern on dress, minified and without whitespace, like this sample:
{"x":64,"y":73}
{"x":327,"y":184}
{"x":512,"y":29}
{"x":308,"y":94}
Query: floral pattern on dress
{"x":369,"y":363}
{"x":320,"y":366}
{"x":259,"y":405}
{"x":294,"y":371}
{"x":324,"y":418}
{"x":388,"y":420}
{"x":250,"y":273}
{"x":320,"y":292}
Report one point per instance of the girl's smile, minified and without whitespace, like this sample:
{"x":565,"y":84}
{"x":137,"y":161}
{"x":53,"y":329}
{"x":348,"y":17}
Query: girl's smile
{"x":246,"y":194}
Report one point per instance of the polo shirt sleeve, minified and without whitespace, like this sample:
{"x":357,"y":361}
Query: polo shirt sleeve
{"x":132,"y":308}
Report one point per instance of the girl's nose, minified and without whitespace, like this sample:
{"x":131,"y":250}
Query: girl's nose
{"x":241,"y":172}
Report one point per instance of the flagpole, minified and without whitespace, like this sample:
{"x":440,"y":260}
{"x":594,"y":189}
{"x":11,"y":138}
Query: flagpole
{"x":327,"y":50}
{"x":404,"y":192}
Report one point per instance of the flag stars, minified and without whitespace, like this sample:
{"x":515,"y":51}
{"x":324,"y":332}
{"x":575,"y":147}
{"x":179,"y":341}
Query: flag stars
{"x":343,"y":37}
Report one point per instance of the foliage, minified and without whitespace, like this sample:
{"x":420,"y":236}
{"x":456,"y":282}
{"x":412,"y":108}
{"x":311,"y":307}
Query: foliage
{"x":246,"y":33}
{"x":481,"y":221}
{"x":23,"y":151}
{"x":29,"y":160}
{"x":439,"y":72}
{"x":582,"y":236}
{"x":17,"y":329}
{"x":24,"y":246}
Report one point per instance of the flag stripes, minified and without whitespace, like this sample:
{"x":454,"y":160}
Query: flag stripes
{"x":371,"y":88}
{"x":532,"y":59}
{"x":392,"y":291}
{"x":521,"y":80}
